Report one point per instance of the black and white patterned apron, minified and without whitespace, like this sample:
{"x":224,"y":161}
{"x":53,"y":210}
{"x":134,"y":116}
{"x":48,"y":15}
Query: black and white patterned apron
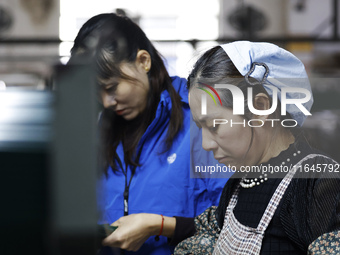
{"x":237,"y":239}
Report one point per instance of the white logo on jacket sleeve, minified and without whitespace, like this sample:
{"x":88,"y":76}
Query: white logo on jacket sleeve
{"x":172,"y":158}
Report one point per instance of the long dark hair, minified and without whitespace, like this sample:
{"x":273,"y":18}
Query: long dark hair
{"x":107,"y":40}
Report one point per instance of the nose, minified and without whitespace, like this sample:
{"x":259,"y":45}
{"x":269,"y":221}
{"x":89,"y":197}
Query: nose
{"x":208,"y":143}
{"x":109,"y":100}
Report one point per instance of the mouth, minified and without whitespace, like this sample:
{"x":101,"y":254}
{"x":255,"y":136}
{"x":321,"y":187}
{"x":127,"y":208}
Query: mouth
{"x":120,"y":112}
{"x":221,"y":159}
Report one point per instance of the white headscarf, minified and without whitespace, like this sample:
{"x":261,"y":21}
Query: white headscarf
{"x":284,"y":70}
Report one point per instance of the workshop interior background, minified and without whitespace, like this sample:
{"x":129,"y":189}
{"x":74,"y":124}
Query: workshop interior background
{"x":35,"y":40}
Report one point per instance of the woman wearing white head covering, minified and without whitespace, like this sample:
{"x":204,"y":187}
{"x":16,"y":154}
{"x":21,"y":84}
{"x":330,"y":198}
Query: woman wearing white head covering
{"x":285,"y":196}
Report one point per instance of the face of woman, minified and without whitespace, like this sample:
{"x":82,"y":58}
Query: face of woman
{"x":229,"y":143}
{"x":128,"y":98}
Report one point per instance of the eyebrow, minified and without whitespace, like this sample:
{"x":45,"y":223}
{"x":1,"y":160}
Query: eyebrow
{"x":205,"y":117}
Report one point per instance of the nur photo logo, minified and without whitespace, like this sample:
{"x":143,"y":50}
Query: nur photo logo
{"x":239,"y":99}
{"x":204,"y":97}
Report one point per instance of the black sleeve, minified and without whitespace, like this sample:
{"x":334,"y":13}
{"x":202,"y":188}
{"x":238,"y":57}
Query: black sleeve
{"x":311,"y":207}
{"x":185,"y":227}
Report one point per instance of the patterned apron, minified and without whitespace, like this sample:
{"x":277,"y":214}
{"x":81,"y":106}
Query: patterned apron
{"x":237,"y":239}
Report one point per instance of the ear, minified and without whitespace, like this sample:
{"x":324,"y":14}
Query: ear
{"x":143,"y":60}
{"x":261,"y":102}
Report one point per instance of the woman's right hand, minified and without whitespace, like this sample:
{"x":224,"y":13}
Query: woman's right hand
{"x":133,"y":230}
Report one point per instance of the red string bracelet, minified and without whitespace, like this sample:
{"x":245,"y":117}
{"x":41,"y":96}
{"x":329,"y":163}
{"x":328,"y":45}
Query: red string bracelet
{"x":160,"y":232}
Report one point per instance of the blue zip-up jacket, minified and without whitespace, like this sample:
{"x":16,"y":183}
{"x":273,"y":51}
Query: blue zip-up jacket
{"x":162,"y":185}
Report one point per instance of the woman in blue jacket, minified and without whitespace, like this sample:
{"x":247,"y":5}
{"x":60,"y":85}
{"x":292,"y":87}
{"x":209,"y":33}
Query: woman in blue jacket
{"x":145,"y":127}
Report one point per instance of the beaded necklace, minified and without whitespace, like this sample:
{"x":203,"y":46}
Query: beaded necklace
{"x":251,"y":182}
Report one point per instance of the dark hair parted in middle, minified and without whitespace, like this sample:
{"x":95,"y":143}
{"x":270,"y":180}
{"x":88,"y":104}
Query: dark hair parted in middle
{"x":215,"y":67}
{"x":107,"y":41}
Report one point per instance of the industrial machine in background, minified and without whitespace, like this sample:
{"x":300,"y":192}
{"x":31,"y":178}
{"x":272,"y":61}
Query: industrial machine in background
{"x":48,"y":156}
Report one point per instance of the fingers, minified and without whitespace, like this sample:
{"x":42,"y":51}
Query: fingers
{"x":117,"y":222}
{"x":133,"y":230}
{"x":115,"y":239}
{"x":122,"y":237}
{"x":122,"y":241}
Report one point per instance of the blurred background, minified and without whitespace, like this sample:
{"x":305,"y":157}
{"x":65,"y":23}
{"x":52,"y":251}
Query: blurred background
{"x":47,"y":185}
{"x":38,"y":33}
